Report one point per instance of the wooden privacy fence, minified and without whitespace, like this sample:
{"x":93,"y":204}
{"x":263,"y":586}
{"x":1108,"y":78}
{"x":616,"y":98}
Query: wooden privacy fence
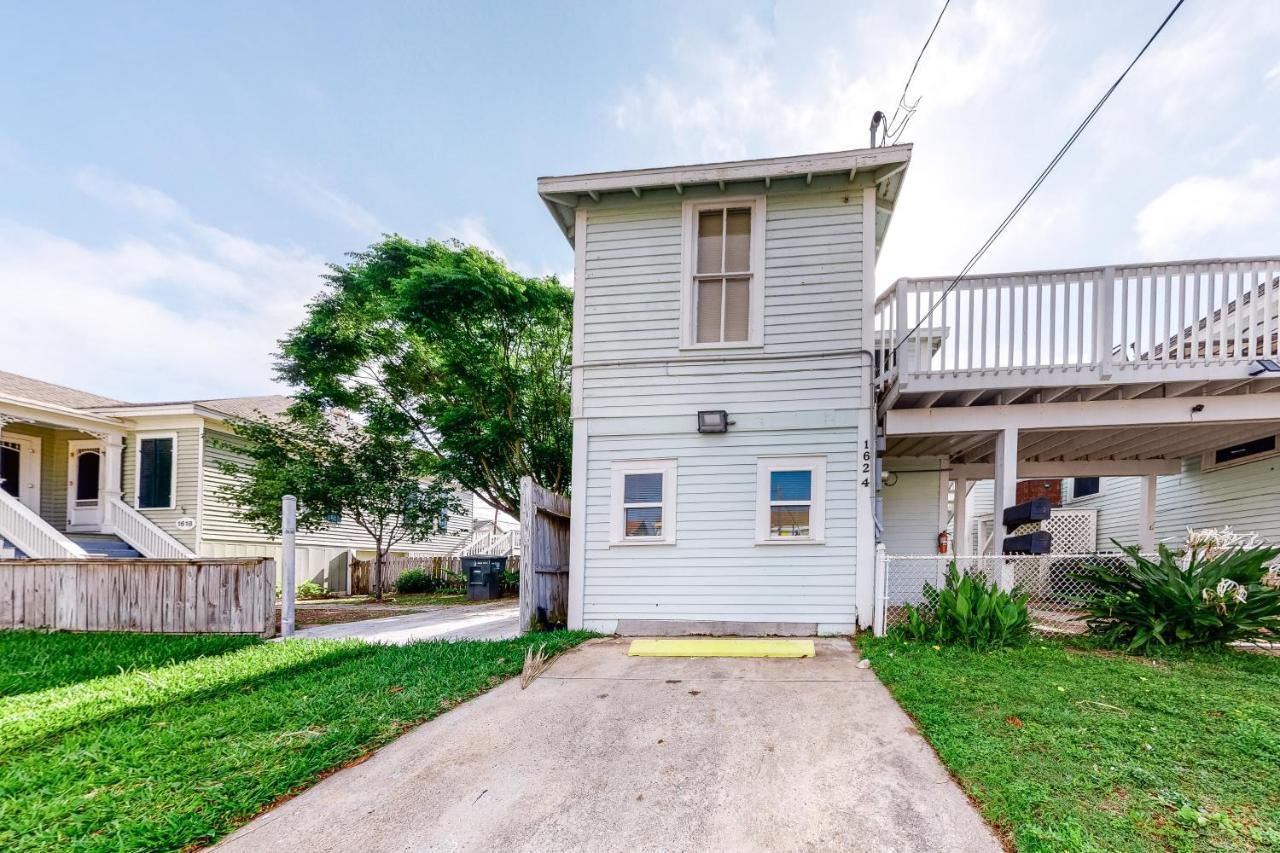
{"x":544,"y":546}
{"x":447,"y":569}
{"x":142,"y":596}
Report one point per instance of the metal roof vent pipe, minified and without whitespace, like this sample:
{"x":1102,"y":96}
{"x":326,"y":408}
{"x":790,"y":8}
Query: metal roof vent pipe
{"x":877,"y":119}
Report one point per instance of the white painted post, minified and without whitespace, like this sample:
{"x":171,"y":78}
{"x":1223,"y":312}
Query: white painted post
{"x":288,"y":555}
{"x":882,"y":563}
{"x":1147,"y":515}
{"x":960,"y":519}
{"x":1006,"y":494}
{"x":1104,"y":317}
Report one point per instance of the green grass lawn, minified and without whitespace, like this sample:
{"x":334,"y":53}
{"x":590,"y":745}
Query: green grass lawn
{"x":195,"y":735}
{"x":1065,"y":748}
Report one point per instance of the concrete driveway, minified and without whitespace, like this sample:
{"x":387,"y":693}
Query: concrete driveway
{"x":605,"y":752}
{"x":490,"y":621}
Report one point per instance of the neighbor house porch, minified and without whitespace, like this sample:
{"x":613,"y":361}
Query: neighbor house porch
{"x":60,"y":488}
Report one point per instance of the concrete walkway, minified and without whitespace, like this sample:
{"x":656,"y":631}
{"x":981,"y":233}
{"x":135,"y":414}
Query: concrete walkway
{"x":606,"y":752}
{"x":490,"y":621}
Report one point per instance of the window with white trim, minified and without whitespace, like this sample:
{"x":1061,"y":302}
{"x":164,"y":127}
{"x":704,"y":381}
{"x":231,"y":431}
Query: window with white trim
{"x":156,"y":464}
{"x":723,"y":273}
{"x":791,"y":499}
{"x":642,"y":503}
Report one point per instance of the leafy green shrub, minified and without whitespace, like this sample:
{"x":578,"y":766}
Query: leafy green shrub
{"x":311,"y":590}
{"x":510,"y":582}
{"x":416,"y":581}
{"x":968,"y":612}
{"x":1216,"y":590}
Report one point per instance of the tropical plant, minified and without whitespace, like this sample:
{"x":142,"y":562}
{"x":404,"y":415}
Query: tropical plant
{"x":311,"y":590}
{"x":1221,"y":587}
{"x":967,"y":611}
{"x":444,"y":342}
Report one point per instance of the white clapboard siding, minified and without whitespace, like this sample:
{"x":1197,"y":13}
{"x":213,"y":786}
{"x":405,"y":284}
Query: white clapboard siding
{"x":221,"y":524}
{"x":911,"y":513}
{"x":186,"y":495}
{"x":1242,"y":497}
{"x":714,"y":570}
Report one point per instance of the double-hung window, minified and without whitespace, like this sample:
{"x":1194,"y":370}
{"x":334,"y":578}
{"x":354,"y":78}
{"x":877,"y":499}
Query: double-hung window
{"x":723,"y":273}
{"x":791,"y":499}
{"x":643,"y":503}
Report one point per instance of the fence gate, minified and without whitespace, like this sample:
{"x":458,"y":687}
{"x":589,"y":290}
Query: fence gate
{"x":544,"y":556}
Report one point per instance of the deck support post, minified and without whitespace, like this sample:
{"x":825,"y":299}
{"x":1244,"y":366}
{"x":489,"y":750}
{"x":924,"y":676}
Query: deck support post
{"x":1005,"y":496}
{"x":1147,"y":515}
{"x":960,"y":518}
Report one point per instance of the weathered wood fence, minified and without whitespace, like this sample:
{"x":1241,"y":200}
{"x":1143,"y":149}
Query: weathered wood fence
{"x":544,"y":547}
{"x":447,"y":569}
{"x":144,"y":596}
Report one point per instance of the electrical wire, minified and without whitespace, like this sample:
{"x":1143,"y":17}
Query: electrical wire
{"x":889,"y":130}
{"x":1017,"y":208}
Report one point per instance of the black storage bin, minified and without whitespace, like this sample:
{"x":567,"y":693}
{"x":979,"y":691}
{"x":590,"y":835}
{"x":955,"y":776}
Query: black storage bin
{"x":484,"y":576}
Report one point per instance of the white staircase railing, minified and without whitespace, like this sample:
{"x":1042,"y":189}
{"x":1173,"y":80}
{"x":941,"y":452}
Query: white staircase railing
{"x":138,"y":530}
{"x":34,"y":536}
{"x":490,"y":542}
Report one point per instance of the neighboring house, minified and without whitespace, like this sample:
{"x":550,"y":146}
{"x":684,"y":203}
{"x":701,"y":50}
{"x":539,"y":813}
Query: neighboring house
{"x":743,"y":288}
{"x":83,"y":475}
{"x":751,"y":423}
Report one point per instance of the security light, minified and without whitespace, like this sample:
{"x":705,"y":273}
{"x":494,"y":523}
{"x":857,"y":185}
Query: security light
{"x":717,"y":421}
{"x":1264,"y":365}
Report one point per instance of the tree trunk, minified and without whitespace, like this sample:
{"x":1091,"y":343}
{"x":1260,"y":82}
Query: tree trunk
{"x":379,"y":560}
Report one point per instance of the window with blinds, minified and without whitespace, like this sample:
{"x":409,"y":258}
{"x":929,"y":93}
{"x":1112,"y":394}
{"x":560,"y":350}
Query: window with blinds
{"x":643,"y":503}
{"x":722,"y":274}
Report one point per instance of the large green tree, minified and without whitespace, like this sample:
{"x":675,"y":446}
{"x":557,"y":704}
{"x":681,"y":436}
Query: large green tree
{"x":446,"y":343}
{"x":336,"y":468}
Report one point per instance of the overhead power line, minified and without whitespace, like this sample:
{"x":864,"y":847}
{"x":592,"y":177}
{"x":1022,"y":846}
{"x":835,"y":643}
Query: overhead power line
{"x":892,"y":132}
{"x":977,"y":256}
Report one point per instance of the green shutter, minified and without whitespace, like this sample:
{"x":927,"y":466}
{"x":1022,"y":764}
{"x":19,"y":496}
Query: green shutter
{"x":155,"y":473}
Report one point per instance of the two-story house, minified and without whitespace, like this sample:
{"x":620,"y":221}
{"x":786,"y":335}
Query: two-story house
{"x":724,"y":420}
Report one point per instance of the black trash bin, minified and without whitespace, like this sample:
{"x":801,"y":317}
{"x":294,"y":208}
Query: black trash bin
{"x":484,"y":576}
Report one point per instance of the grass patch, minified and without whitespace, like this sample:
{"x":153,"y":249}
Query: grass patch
{"x":179,"y":754}
{"x":34,"y":661}
{"x":1066,"y":748}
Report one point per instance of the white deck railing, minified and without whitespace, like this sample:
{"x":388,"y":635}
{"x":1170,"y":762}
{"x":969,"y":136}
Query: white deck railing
{"x":138,"y":530}
{"x":1204,"y":319}
{"x":490,"y":542}
{"x":34,"y":536}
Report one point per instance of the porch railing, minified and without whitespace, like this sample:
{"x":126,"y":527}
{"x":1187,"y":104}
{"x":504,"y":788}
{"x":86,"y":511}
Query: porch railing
{"x":34,"y":536}
{"x":138,"y":530}
{"x":1205,"y":318}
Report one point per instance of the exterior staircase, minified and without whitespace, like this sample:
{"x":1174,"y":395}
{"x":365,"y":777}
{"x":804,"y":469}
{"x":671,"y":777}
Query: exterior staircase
{"x":104,"y":546}
{"x":9,"y":551}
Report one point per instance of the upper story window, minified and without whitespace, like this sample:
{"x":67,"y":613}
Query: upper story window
{"x":723,"y":273}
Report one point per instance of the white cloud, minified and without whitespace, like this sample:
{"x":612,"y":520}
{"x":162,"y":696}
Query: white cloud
{"x":1190,"y":217}
{"x":188,"y":311}
{"x":330,"y":204}
{"x":1273,"y":76}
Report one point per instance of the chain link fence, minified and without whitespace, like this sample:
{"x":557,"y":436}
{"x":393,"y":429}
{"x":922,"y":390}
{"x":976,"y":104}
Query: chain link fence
{"x":1054,"y":592}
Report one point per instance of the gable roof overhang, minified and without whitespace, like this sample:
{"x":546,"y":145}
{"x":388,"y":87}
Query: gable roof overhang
{"x":885,"y":168}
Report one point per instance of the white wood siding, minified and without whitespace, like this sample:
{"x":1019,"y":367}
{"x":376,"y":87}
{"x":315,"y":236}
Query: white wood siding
{"x":798,"y":394}
{"x":221,"y":524}
{"x":912,"y":517}
{"x":714,"y":570}
{"x":1242,"y":496}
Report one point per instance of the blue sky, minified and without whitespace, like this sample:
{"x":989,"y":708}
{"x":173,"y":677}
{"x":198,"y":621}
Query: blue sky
{"x":175,"y":176}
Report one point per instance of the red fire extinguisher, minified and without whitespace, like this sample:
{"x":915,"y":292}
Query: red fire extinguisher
{"x":944,"y":542}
